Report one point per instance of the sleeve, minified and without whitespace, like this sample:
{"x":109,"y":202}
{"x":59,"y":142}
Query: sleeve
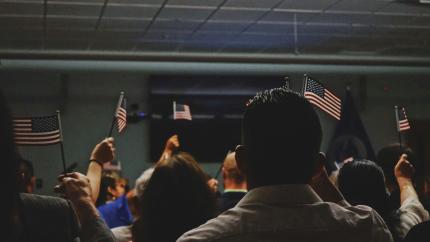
{"x":380,"y":231}
{"x":96,"y":231}
{"x":410,"y":213}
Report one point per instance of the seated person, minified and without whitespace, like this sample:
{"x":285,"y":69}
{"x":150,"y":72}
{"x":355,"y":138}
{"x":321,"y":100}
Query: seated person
{"x":280,"y":159}
{"x":234,"y":184}
{"x":362,"y":182}
{"x":27,"y":181}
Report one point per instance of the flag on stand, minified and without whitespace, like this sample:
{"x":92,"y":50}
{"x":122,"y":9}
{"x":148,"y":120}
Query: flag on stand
{"x":402,"y":120}
{"x":121,"y":113}
{"x":321,"y":97}
{"x":37,"y":130}
{"x":181,"y":111}
{"x":350,"y":137}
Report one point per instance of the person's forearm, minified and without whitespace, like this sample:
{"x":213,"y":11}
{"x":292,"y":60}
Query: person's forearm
{"x":407,"y":189}
{"x":94,"y":174}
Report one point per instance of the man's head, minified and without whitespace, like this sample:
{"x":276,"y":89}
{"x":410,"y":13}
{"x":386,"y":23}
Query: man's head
{"x":233,"y":178}
{"x":27,"y":180}
{"x":281,"y":139}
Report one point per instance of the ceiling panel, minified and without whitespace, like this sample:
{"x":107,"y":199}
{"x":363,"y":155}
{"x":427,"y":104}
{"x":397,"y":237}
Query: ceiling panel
{"x":307,"y":4}
{"x":377,"y":27}
{"x":119,"y":11}
{"x":266,"y":4}
{"x":127,"y":23}
{"x":237,"y":15}
{"x":74,"y":9}
{"x":358,"y":5}
{"x":20,"y":22}
{"x":21,"y":8}
{"x":184,"y":13}
{"x":211,"y":3}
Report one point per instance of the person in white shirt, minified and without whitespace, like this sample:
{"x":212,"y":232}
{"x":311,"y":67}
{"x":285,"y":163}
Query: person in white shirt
{"x":281,"y":160}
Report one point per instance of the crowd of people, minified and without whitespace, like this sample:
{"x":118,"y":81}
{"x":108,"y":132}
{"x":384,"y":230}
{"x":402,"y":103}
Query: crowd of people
{"x":276,"y":188}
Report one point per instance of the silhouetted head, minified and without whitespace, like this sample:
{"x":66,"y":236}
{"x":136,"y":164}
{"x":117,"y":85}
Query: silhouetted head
{"x":281,"y":139}
{"x":362,"y":182}
{"x":175,"y":200}
{"x":231,"y":173}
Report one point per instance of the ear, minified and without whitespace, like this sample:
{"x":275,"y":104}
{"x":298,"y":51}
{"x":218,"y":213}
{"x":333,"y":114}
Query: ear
{"x":241,"y":157}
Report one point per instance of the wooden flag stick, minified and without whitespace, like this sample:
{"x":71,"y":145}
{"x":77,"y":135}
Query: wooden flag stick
{"x":396,"y":111}
{"x":63,"y":158}
{"x":221,"y":166}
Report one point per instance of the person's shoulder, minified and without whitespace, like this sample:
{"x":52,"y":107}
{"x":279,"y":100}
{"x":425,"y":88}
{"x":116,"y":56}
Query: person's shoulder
{"x":41,"y":202}
{"x":226,"y":224}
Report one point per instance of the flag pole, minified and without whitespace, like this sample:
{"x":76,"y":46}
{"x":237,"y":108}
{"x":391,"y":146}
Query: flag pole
{"x":305,"y":79}
{"x":222,"y":165}
{"x":61,"y":142}
{"x":121,"y":97}
{"x":174,"y":109}
{"x":287,"y":82}
{"x":396,"y":111}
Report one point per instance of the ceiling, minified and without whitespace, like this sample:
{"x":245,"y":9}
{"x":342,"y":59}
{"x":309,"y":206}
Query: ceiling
{"x":305,"y":27}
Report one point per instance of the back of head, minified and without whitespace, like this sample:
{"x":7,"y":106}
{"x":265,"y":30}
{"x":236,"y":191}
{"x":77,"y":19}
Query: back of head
{"x":175,"y":200}
{"x":362,"y":182}
{"x":282,"y":136}
{"x":231,"y":172}
{"x":388,"y":157}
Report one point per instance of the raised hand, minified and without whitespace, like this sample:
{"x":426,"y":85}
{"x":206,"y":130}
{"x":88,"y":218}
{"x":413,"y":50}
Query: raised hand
{"x":404,"y":169}
{"x":104,"y":151}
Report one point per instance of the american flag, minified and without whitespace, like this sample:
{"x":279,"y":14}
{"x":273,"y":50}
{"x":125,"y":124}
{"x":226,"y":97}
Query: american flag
{"x":37,"y":130}
{"x":121,"y":113}
{"x":402,"y":120}
{"x":321,"y":97}
{"x":181,"y":111}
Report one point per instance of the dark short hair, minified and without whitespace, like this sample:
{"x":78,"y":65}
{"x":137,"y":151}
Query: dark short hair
{"x":175,"y":200}
{"x":282,"y":135}
{"x":362,"y":182}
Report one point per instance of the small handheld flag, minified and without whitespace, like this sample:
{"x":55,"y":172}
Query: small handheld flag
{"x":402,"y":119}
{"x":39,"y":131}
{"x":321,"y":97}
{"x":181,"y":111}
{"x":120,"y":115}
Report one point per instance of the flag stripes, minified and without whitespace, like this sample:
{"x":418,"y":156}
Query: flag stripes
{"x":181,"y":111}
{"x":321,"y":97}
{"x":403,"y":123}
{"x":36,"y":130}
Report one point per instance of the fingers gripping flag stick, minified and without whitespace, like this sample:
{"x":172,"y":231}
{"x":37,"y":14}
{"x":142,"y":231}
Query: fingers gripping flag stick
{"x":321,"y":97}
